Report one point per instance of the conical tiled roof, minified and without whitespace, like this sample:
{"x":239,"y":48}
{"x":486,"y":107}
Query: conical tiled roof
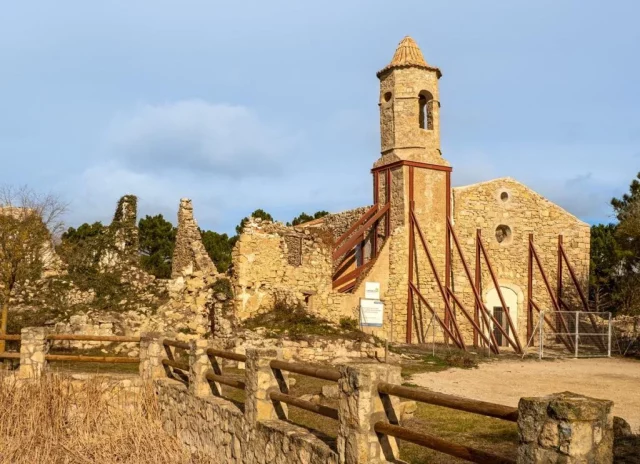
{"x":408,"y":54}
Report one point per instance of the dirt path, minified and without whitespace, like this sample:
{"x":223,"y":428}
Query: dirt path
{"x":505,"y":382}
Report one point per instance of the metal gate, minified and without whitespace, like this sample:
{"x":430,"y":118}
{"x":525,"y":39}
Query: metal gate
{"x":578,"y":334}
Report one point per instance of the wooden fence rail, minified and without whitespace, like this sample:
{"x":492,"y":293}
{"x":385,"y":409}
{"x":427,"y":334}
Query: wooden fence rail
{"x":226,"y":355}
{"x":325,"y":411}
{"x":94,"y":359}
{"x":438,"y":444}
{"x":176,"y":344}
{"x":175,"y":364}
{"x":450,"y":401}
{"x":224,"y":380}
{"x":94,"y":338}
{"x":310,"y":371}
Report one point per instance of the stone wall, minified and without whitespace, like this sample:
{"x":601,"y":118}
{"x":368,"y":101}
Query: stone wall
{"x":121,"y":245}
{"x":272,"y":262}
{"x":217,"y":427}
{"x":506,"y":212}
{"x":189,"y":254}
{"x":312,"y":350}
{"x":337,"y":223}
{"x":260,"y":432}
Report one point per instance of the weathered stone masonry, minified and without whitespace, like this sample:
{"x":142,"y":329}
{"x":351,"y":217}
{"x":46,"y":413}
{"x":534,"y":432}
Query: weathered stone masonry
{"x":189,"y":254}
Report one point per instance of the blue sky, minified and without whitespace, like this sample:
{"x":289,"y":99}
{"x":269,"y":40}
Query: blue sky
{"x":273,"y":105}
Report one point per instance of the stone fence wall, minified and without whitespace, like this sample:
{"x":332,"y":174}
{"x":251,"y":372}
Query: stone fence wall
{"x":313,"y":350}
{"x":565,"y":427}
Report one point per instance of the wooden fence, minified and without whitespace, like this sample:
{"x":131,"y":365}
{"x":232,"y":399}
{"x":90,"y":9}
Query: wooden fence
{"x":368,"y":395}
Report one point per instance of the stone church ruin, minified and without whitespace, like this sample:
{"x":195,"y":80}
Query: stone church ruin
{"x":471,"y":265}
{"x":420,"y":239}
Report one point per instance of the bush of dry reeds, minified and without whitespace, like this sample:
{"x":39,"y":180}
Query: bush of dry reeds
{"x":55,"y":421}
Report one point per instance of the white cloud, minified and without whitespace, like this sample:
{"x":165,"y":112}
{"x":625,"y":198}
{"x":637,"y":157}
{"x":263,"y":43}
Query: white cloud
{"x":226,"y":158}
{"x":194,"y":135}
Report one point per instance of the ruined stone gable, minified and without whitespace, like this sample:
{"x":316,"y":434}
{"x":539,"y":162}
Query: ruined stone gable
{"x":189,"y":255}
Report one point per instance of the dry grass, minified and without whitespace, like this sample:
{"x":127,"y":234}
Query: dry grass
{"x":56,"y":421}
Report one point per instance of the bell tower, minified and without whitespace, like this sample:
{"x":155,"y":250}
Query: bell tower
{"x":412,"y":179}
{"x":409,"y":108}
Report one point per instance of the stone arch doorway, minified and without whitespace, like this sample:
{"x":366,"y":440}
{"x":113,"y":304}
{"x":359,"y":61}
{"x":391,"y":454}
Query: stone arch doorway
{"x":492,"y":301}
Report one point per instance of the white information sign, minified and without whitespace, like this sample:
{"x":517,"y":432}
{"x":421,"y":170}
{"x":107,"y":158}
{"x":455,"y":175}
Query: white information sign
{"x":372,"y":290}
{"x":371,"y":312}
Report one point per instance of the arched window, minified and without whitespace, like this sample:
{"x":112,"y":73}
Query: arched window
{"x":425,"y":106}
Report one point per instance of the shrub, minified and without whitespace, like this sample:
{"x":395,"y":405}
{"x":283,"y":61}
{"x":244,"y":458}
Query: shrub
{"x":349,"y":323}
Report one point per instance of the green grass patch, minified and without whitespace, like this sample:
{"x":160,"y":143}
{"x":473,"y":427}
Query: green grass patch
{"x":296,"y":323}
{"x":481,"y":432}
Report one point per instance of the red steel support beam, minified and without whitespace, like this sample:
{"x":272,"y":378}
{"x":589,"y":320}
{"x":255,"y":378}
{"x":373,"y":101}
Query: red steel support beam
{"x":568,"y":343}
{"x":496,"y":284}
{"x":357,"y":235}
{"x":559,"y":276}
{"x":356,"y":224}
{"x":476,"y":327}
{"x":476,"y":293}
{"x":447,"y":240}
{"x":351,"y":275}
{"x":583,"y":299}
{"x":387,"y":222}
{"x":415,"y":164}
{"x":530,"y":289}
{"x":376,"y":200}
{"x":413,"y":288}
{"x":556,"y":306}
{"x":478,"y":283}
{"x":574,"y":278}
{"x":437,"y":277}
{"x":559,"y":270}
{"x":412,"y":246}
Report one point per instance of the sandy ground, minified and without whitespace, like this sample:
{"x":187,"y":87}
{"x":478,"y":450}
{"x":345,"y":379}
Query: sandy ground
{"x":505,"y":382}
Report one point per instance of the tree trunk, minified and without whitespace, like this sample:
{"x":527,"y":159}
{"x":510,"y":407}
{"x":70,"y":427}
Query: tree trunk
{"x":3,"y":321}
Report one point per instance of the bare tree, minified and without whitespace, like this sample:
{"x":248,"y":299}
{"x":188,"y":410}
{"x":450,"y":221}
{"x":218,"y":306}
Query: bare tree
{"x":29,"y":222}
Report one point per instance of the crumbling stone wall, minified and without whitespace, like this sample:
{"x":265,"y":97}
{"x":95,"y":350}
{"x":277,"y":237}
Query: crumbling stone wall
{"x":337,"y":223}
{"x":120,"y":245}
{"x":189,"y":254}
{"x":273,"y":262}
{"x":124,"y":227}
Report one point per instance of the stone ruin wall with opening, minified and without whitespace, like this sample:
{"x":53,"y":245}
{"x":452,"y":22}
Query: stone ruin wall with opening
{"x":274,"y":262}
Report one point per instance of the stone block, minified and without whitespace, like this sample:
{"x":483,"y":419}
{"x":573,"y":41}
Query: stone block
{"x":565,"y":428}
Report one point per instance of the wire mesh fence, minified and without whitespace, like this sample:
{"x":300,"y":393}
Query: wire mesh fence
{"x":577,"y":334}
